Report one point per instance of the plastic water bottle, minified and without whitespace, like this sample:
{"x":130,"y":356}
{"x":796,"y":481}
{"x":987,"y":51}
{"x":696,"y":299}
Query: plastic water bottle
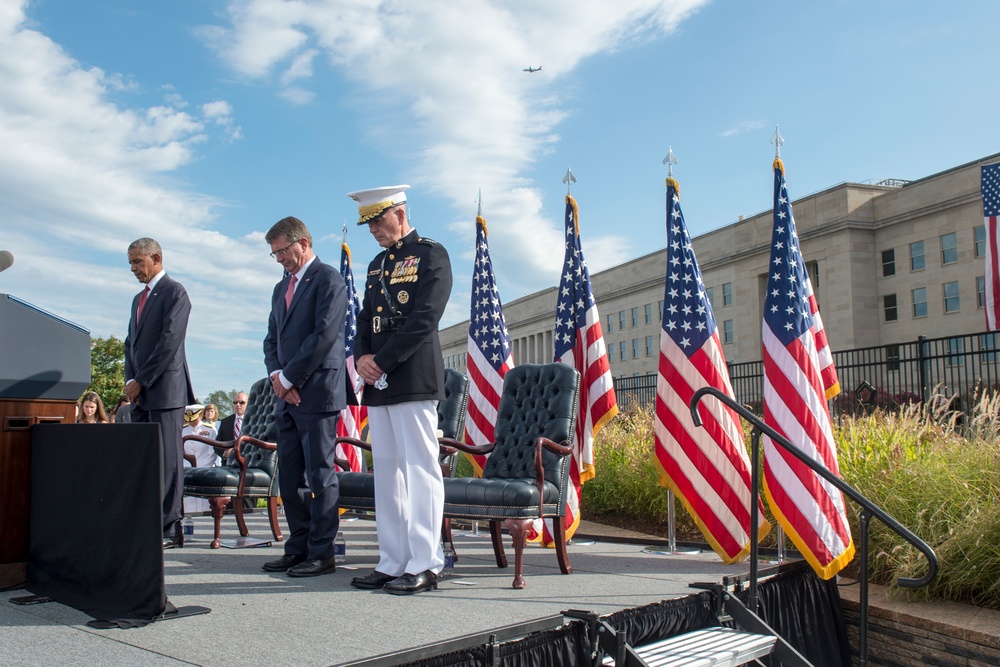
{"x":187,"y":527}
{"x":449,"y":561}
{"x":339,"y":549}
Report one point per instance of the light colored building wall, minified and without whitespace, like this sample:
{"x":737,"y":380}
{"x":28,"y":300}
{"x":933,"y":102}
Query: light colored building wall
{"x":843,"y":231}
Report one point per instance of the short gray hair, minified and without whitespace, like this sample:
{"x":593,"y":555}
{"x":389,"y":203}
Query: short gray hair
{"x":146,"y":246}
{"x":290,"y":229}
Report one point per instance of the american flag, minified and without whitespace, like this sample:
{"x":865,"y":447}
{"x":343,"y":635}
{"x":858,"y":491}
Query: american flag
{"x":707,"y":468}
{"x":810,"y":509}
{"x":489,"y":354}
{"x":990,"y":187}
{"x":353,"y":418}
{"x":579,"y":343}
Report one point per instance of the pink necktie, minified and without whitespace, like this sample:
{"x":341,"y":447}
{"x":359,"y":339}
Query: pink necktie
{"x":237,"y":426}
{"x":142,"y":304}
{"x":289,"y":292}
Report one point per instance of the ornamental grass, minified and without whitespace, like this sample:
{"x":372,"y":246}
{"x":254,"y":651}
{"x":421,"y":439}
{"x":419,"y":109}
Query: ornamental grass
{"x":934,"y":470}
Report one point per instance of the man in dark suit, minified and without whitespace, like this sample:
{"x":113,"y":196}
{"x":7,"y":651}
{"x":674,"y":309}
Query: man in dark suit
{"x":398,"y":354}
{"x":229,"y":429}
{"x":304,"y":354}
{"x":158,"y":382}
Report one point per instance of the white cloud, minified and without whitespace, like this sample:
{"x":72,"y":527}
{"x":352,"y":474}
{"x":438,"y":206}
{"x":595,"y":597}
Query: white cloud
{"x":459,"y":99}
{"x":743,"y":126}
{"x":81,"y":177}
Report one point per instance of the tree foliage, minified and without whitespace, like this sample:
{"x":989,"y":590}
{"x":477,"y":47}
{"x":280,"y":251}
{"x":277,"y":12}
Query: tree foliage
{"x":107,"y":369}
{"x":223,"y":400}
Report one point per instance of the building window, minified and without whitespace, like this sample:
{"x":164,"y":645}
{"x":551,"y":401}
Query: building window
{"x":889,"y":303}
{"x":889,"y":262}
{"x":980,"y":291}
{"x":949,"y":248}
{"x":649,"y":313}
{"x":920,"y":302}
{"x":956,"y":351}
{"x":892,"y":357}
{"x":812,"y":272}
{"x":988,"y":346}
{"x":917,"y":256}
{"x":980,"y":234}
{"x":951,"y":298}
{"x":621,"y":320}
{"x":710,"y":296}
{"x":611,"y":353}
{"x":611,"y":323}
{"x":727,"y":332}
{"x":622,"y":348}
{"x":635,"y":348}
{"x":635,"y":317}
{"x":649,"y":346}
{"x":659,"y":311}
{"x":727,"y":294}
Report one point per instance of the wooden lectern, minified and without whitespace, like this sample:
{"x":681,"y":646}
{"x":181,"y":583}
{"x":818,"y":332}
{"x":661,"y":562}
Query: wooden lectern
{"x":44,"y":367}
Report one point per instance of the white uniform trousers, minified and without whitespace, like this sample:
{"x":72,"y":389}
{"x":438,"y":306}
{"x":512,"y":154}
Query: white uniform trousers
{"x":409,"y":488}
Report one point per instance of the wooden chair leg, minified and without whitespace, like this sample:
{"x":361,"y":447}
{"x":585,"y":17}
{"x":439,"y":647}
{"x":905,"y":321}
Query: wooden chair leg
{"x":218,"y":506}
{"x":272,"y":516}
{"x":446,"y":536}
{"x":238,"y":511}
{"x":519,"y":536}
{"x":559,"y":535}
{"x":497,"y":538}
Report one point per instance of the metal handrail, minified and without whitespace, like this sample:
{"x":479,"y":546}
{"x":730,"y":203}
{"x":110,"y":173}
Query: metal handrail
{"x":869,"y":510}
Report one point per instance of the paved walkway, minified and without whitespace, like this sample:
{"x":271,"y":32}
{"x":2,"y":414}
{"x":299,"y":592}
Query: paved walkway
{"x":259,"y":618}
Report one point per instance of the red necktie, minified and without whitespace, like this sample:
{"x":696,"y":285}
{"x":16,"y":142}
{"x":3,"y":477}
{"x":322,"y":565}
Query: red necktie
{"x":289,"y":292}
{"x":142,"y":304}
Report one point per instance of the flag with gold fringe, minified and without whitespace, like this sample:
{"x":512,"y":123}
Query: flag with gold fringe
{"x":354,"y":417}
{"x":797,"y":384}
{"x":579,"y":343}
{"x":707,"y":467}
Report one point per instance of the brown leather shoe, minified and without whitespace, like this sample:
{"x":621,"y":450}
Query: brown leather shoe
{"x":409,"y":584}
{"x":283,"y":563}
{"x":372,"y":581}
{"x":313,"y":567}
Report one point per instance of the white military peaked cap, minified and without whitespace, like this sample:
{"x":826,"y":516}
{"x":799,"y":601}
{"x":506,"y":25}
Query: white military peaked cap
{"x":372,"y":203}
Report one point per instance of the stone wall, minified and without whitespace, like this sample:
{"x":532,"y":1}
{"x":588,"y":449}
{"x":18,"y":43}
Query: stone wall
{"x":917,"y":634}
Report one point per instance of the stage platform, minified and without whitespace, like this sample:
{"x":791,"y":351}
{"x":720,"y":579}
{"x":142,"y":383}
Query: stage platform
{"x":260,"y":618}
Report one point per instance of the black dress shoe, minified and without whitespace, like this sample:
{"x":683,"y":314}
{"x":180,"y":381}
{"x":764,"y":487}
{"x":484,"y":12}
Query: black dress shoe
{"x":283,"y":563}
{"x":409,"y":584}
{"x":174,"y":541}
{"x":313,"y":567}
{"x":371,"y":581}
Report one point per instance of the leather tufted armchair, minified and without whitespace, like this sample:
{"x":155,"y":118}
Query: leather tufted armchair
{"x":251,"y":469}
{"x":526,"y":476}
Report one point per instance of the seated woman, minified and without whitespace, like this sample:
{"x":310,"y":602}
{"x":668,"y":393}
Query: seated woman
{"x":122,"y":414}
{"x":205,"y":456}
{"x":210,"y":416}
{"x":91,"y":409}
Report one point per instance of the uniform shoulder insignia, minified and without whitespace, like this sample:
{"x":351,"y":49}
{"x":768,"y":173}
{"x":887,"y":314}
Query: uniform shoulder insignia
{"x":424,"y":239}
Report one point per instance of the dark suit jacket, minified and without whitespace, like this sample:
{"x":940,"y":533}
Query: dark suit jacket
{"x":154,"y":350}
{"x":227,"y":428}
{"x":418,"y":277}
{"x":307,"y":342}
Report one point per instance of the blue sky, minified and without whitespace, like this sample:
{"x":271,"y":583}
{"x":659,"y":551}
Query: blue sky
{"x":201,"y":123}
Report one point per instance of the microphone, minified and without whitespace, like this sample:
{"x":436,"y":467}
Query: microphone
{"x":6,"y":259}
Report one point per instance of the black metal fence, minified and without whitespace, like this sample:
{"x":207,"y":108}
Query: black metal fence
{"x":885,"y":375}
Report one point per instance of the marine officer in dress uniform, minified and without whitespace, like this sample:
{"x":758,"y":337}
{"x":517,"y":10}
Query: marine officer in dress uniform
{"x":398,"y":354}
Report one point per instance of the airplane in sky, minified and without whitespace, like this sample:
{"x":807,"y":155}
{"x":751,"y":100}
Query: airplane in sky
{"x":533,"y":69}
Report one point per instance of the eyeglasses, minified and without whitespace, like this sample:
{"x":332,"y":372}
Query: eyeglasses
{"x":280,"y":252}
{"x":239,"y":402}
